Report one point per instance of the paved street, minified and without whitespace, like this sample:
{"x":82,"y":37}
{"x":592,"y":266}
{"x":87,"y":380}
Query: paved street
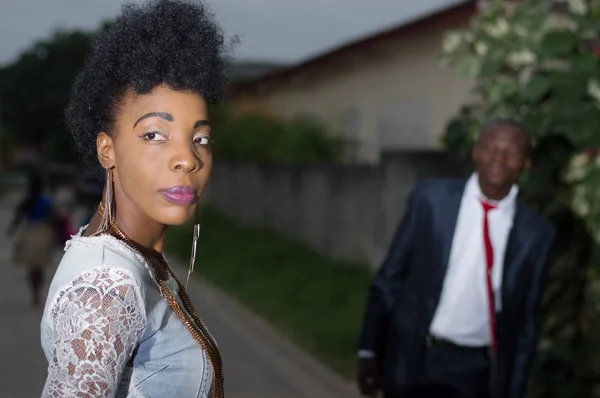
{"x":258,"y":361}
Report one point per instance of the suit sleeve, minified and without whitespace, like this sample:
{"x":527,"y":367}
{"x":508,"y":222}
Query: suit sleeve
{"x":527,"y":337}
{"x":388,"y":279}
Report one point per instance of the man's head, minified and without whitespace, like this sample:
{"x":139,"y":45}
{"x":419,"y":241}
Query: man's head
{"x":500,"y":155}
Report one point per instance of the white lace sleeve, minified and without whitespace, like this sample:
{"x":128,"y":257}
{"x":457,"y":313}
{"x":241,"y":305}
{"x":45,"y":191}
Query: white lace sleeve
{"x":97,"y":321}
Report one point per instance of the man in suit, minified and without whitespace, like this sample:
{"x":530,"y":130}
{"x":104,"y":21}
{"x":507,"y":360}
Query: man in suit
{"x":452,"y":312}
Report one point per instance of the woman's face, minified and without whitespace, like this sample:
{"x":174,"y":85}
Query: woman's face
{"x":160,"y":150}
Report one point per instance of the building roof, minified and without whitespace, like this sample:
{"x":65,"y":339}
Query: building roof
{"x":244,"y":71}
{"x":464,"y":9}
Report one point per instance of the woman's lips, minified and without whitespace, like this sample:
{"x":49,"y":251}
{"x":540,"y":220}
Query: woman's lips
{"x":180,"y":195}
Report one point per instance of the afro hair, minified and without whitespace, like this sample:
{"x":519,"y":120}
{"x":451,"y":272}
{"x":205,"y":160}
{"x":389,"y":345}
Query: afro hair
{"x":168,"y":42}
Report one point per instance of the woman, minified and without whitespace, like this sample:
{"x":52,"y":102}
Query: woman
{"x":35,"y":243}
{"x":117,"y":321}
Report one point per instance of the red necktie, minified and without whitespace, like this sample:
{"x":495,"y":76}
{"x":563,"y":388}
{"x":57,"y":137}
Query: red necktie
{"x":489,"y":259}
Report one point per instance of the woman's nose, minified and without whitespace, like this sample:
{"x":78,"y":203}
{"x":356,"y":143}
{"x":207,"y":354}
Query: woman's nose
{"x":185,"y":159}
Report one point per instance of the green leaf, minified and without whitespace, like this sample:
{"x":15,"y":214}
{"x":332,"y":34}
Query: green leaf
{"x":490,"y":66}
{"x":459,"y":139}
{"x":570,"y":88}
{"x":558,"y":43}
{"x":585,"y":63}
{"x":468,"y":66}
{"x":578,"y":122}
{"x":537,"y":88}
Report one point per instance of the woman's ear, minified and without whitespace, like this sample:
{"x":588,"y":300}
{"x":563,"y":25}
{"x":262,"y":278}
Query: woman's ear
{"x":105,"y":149}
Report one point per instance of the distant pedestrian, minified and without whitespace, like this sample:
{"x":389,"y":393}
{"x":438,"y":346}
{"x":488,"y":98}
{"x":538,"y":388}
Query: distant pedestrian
{"x":34,"y":244}
{"x":64,"y":198}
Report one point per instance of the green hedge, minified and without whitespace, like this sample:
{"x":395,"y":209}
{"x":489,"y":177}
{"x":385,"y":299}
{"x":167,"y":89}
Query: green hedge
{"x":257,"y":138}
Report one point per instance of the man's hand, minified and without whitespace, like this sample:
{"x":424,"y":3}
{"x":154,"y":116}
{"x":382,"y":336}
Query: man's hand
{"x":368,"y":377}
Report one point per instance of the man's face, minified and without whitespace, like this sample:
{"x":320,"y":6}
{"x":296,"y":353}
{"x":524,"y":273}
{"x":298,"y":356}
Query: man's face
{"x":500,"y":156}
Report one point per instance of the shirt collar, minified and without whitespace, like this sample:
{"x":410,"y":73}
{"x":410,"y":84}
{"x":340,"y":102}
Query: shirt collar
{"x":473,"y":189}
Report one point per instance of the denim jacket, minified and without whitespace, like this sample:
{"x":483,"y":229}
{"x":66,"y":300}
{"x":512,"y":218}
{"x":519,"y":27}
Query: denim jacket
{"x":107,"y":331}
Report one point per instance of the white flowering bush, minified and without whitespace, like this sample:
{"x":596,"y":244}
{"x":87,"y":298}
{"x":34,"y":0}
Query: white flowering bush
{"x":538,"y":61}
{"x":583,"y":173}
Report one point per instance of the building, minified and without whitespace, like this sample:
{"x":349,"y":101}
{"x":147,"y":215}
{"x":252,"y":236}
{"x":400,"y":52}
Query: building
{"x":385,"y":92}
{"x":243,"y":71}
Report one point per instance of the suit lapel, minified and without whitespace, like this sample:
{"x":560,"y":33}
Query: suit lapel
{"x":448,"y":206}
{"x":519,"y":241}
{"x":444,"y":215}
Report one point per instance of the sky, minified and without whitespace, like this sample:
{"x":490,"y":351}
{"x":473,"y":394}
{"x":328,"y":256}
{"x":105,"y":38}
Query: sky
{"x":286,"y":31}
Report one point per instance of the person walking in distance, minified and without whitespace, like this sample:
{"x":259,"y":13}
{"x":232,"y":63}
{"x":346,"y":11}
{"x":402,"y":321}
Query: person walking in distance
{"x":34,"y":244}
{"x":452,"y":312}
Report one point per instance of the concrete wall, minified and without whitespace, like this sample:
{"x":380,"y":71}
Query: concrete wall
{"x":345,"y":211}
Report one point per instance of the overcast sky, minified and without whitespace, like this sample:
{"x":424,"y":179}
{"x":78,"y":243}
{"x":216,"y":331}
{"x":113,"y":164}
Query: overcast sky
{"x":280,"y":30}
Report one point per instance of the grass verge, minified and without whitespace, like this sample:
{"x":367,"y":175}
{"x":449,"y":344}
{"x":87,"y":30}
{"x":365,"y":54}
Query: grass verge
{"x":314,"y":300}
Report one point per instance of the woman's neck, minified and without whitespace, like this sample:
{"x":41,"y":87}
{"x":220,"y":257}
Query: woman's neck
{"x":144,"y":232}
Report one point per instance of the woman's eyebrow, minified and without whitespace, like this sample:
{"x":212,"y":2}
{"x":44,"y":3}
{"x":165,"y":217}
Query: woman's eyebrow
{"x":201,"y":123}
{"x":163,"y":115}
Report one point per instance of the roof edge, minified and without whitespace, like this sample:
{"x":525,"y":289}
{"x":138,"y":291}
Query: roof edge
{"x":457,"y":8}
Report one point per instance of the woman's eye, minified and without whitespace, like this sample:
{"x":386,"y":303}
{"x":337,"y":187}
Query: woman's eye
{"x":153,"y":136}
{"x":204,"y":141}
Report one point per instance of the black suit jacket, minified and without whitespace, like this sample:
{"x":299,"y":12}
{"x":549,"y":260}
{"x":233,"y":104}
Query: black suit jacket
{"x":406,"y":290}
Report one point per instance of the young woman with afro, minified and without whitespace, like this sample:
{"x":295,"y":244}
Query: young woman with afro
{"x":117,"y":321}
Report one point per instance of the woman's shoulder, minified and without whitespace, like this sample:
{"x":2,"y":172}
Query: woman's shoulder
{"x":96,"y":283}
{"x":105,"y":248}
{"x":83,"y":254}
{"x":100,"y":263}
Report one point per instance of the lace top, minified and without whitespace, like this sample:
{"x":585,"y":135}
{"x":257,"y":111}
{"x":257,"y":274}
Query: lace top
{"x":107,"y":332}
{"x":97,"y":322}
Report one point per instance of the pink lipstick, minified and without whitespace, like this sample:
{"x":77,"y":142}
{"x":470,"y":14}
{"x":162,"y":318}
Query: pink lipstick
{"x":180,"y":195}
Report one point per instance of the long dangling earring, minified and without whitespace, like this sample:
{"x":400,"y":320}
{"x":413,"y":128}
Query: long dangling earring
{"x":106,"y":204}
{"x":194,"y":245}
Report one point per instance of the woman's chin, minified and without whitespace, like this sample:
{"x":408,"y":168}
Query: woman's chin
{"x":176,"y":217}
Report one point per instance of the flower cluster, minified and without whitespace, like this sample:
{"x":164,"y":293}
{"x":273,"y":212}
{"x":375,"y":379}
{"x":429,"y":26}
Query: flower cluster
{"x":583,"y":175}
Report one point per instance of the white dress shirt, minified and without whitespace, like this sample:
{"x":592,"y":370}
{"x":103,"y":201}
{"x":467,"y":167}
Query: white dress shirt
{"x":462,"y":315}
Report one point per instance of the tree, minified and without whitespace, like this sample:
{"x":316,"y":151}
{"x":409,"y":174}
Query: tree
{"x":34,"y":91}
{"x":538,"y":62}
